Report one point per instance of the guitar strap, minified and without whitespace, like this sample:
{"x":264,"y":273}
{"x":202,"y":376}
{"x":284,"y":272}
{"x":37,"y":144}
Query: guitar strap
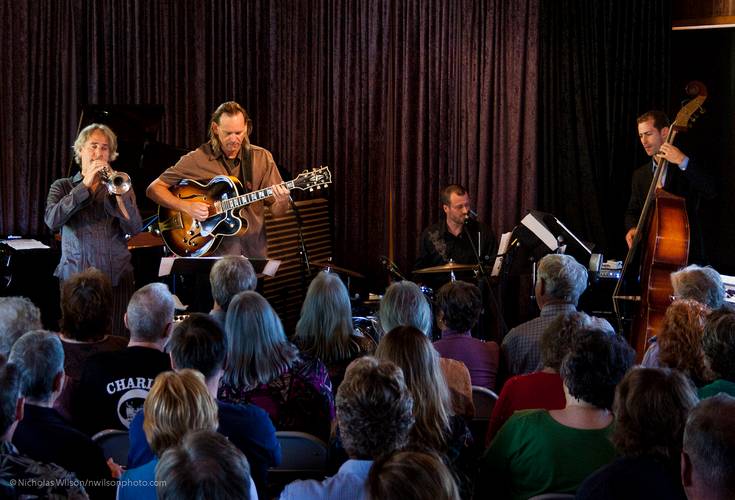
{"x":247,"y":169}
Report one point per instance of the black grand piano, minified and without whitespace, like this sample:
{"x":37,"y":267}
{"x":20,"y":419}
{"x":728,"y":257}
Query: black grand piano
{"x":29,"y":273}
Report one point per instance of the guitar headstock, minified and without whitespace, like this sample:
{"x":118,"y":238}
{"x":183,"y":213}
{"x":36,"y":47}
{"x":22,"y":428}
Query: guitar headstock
{"x":691,"y":110}
{"x":313,"y":179}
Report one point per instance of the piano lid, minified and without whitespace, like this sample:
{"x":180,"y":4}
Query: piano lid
{"x":134,"y":124}
{"x":140,"y":154}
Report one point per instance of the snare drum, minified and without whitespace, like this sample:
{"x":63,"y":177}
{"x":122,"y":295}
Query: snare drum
{"x":369,"y":326}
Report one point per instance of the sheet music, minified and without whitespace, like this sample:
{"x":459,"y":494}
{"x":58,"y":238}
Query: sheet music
{"x":502,"y":249}
{"x":271,"y":267}
{"x":540,"y":231}
{"x":164,"y":269}
{"x":729,"y":282}
{"x":24,"y":244}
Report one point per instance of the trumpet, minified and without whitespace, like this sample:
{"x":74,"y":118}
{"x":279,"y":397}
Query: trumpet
{"x":117,"y":182}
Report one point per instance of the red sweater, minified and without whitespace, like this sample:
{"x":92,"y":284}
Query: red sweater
{"x":524,"y":392}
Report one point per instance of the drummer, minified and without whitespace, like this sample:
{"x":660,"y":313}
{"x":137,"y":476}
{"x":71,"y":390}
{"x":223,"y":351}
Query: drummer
{"x":457,"y":237}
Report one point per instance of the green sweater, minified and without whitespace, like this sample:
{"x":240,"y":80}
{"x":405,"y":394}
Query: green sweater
{"x":534,"y":454}
{"x":716,"y":387}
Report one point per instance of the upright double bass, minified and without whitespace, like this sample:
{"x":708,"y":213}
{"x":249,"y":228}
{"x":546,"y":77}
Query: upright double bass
{"x":660,"y":245}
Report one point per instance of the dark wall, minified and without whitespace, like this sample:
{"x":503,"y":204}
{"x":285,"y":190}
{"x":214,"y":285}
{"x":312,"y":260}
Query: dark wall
{"x":709,"y":56}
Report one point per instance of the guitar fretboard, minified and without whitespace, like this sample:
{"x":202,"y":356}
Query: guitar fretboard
{"x":252,"y":197}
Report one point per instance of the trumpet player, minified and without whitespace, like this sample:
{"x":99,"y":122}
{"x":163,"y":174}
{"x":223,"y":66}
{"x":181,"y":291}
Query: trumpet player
{"x":95,"y":210}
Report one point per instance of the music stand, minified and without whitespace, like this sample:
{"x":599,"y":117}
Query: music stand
{"x":541,"y":233}
{"x":203,"y":265}
{"x":198,"y":268}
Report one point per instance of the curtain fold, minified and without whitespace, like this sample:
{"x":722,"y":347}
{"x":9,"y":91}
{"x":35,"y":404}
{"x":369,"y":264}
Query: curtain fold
{"x":602,"y":64}
{"x":398,"y":98}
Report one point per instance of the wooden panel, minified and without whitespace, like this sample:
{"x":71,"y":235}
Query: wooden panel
{"x":287,"y":289}
{"x":703,"y":14}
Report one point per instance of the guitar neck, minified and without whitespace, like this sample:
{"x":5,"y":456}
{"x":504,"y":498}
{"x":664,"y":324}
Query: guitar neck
{"x":252,"y":197}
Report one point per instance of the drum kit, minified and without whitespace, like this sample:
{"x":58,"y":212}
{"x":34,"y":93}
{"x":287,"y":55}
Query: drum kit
{"x":368,"y":322}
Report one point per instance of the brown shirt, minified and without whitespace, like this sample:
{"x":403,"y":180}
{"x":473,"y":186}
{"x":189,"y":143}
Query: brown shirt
{"x":203,"y":164}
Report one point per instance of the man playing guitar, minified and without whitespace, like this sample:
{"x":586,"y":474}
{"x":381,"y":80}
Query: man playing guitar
{"x":228,"y":153}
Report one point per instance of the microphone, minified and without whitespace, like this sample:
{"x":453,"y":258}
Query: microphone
{"x":391,"y":267}
{"x":471,"y":215}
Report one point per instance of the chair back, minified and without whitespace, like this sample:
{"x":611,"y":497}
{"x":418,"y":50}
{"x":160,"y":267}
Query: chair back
{"x":303,"y":456}
{"x":115,"y":444}
{"x":484,"y":400}
{"x":301,"y":451}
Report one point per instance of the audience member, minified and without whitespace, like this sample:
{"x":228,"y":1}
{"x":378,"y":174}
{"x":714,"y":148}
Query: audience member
{"x":114,"y":384}
{"x":541,"y":451}
{"x":702,"y":284}
{"x":325,"y":331}
{"x":265,"y":369}
{"x":178,"y":402}
{"x":708,"y":457}
{"x":436,"y":428}
{"x":559,"y":283}
{"x":405,"y":305}
{"x":680,"y":340}
{"x":375,"y":415}
{"x":86,"y":319}
{"x":411,"y":475}
{"x":229,"y":276}
{"x":651,"y":408}
{"x":718,"y":344}
{"x":458,"y":307}
{"x":43,"y":434}
{"x":20,"y":476}
{"x":18,"y":315}
{"x":204,"y":465}
{"x":542,"y":389}
{"x":199,"y":343}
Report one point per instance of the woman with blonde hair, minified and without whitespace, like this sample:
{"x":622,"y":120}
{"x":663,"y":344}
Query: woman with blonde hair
{"x":436,"y":428}
{"x":177,"y":403}
{"x":325,"y":330}
{"x":265,"y":369}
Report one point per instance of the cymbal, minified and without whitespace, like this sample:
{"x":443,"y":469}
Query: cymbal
{"x":445,"y":268}
{"x":337,"y":269}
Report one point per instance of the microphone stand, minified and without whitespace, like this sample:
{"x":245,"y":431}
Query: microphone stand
{"x":303,"y":254}
{"x":148,"y":223}
{"x":392,"y":268}
{"x":485,"y":278}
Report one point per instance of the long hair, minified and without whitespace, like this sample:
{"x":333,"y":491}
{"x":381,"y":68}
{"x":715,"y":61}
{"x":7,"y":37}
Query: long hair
{"x":413,"y":352}
{"x":257,"y":348}
{"x":325,"y":326}
{"x":228,"y":108}
{"x":405,"y":305}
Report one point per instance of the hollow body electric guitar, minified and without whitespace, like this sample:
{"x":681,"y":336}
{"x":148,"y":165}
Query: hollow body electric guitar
{"x":187,"y":237}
